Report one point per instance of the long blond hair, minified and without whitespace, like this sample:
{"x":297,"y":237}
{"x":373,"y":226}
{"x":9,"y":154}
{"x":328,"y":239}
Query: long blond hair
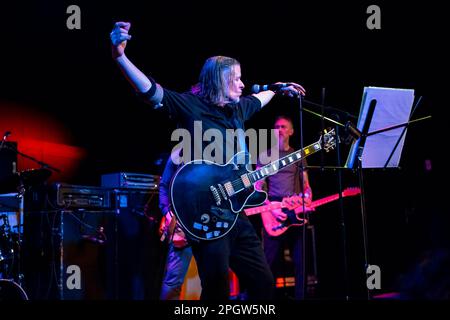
{"x":214,"y":79}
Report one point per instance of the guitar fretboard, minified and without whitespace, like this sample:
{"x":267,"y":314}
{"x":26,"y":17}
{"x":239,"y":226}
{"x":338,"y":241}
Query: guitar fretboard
{"x":283,"y":162}
{"x":326,"y":200}
{"x":248,"y":179}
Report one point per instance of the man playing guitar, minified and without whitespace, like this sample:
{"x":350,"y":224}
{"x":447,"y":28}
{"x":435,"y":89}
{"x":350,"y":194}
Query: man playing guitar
{"x":286,"y":182}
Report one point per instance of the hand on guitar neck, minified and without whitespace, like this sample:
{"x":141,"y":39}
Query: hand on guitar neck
{"x":290,"y":203}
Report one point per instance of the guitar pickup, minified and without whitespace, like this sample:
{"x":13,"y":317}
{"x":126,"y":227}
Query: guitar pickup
{"x":229,"y":188}
{"x":246,"y":181}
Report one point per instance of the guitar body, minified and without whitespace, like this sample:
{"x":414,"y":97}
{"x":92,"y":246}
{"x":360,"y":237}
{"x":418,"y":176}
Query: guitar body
{"x":275,"y":227}
{"x":203,"y":208}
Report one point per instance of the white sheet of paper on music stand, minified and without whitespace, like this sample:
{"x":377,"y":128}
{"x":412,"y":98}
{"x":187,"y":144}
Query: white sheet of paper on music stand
{"x":393,"y":107}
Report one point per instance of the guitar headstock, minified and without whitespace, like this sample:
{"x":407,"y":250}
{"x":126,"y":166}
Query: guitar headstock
{"x":353,"y":191}
{"x":328,"y":139}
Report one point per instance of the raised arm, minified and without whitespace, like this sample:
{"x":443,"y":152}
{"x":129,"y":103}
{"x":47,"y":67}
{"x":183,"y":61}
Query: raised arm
{"x":119,"y":37}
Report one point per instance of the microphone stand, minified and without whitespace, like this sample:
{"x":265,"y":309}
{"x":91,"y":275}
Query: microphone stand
{"x":44,"y":165}
{"x":339,"y":175}
{"x":353,"y":131}
{"x":342,"y":215}
{"x":302,"y":168}
{"x":359,"y":168}
{"x":323,"y":107}
{"x":41,"y":163}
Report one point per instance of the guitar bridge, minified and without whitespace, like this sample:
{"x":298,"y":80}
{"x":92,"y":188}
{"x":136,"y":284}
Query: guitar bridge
{"x":222,"y":191}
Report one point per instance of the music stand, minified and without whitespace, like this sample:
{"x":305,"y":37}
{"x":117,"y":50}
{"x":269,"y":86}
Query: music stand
{"x":382,"y":126}
{"x":393,"y":107}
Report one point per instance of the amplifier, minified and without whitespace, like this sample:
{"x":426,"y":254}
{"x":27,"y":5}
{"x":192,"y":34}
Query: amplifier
{"x":131,"y":180}
{"x":73,"y":196}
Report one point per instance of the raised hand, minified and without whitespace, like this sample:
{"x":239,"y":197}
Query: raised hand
{"x":293,"y":90}
{"x":119,"y":37}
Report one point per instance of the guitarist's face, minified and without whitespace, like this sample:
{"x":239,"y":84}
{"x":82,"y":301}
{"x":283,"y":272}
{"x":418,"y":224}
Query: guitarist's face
{"x":235,"y":84}
{"x":284,"y":128}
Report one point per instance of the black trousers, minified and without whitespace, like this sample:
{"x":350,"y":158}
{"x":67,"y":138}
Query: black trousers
{"x":241,"y":250}
{"x":293,"y":240}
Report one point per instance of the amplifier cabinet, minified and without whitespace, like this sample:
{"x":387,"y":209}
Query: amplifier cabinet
{"x":69,"y":254}
{"x":140,"y":253}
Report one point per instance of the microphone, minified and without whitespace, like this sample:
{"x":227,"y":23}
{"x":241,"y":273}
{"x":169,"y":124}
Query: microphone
{"x":5,"y":136}
{"x":256,"y":88}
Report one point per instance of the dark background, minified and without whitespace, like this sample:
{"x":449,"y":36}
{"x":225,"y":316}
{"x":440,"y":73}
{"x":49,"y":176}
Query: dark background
{"x":70,"y":75}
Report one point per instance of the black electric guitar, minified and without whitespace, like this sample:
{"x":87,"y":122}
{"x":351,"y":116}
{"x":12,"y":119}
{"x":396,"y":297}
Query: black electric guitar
{"x":207,"y":197}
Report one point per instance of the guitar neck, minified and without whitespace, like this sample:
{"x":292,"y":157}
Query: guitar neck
{"x":268,"y":207}
{"x":279,"y":205}
{"x":298,"y":208}
{"x":283,"y":162}
{"x":325,"y":200}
